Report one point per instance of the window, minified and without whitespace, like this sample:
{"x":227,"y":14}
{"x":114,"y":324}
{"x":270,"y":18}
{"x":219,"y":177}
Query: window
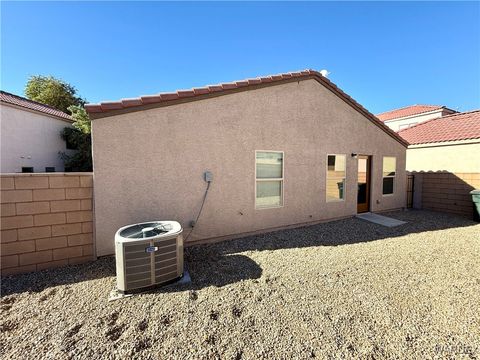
{"x":27,"y":169}
{"x":336,"y":177}
{"x":50,"y":169}
{"x":269,"y":179}
{"x":389,"y":171}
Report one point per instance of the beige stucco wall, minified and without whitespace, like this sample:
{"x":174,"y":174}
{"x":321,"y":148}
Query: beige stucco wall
{"x":149,"y":164}
{"x":30,"y":139}
{"x":463,"y":157}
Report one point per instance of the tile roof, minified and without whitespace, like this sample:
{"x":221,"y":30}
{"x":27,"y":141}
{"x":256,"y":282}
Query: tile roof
{"x":135,"y":104}
{"x":459,"y":126}
{"x":6,"y":97}
{"x":408,"y":111}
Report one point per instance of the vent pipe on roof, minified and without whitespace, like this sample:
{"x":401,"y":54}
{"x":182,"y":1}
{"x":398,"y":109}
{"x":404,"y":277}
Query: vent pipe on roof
{"x":325,"y":73}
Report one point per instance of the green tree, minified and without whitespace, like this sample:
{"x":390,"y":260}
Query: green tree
{"x":63,"y":96}
{"x":52,"y":91}
{"x":82,"y":120}
{"x":80,"y":160}
{"x":79,"y":138}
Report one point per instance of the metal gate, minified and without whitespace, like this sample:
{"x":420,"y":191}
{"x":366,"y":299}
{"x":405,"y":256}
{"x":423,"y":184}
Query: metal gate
{"x":410,"y":185}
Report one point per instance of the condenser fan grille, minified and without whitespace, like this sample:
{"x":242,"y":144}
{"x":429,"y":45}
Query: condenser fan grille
{"x":145,"y":230}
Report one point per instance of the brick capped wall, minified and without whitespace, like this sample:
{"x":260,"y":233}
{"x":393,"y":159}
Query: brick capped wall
{"x":46,"y":221}
{"x":445,"y":191}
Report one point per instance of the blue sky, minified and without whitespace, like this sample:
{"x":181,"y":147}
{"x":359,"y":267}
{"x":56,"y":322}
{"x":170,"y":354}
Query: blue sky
{"x":385,"y":55}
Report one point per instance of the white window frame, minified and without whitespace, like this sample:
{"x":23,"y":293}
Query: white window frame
{"x":390,"y":176}
{"x":282,"y":181}
{"x":344,"y":180}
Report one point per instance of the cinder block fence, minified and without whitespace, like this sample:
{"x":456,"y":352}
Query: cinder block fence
{"x":445,"y":191}
{"x":46,"y":221}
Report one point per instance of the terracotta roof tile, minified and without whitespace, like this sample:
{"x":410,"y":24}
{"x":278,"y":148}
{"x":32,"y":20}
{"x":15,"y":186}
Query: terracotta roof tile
{"x":229,"y":86}
{"x":95,"y":108}
{"x":242,"y":83}
{"x":460,"y":126}
{"x":112,"y":105}
{"x":169,"y":96}
{"x":201,"y":91}
{"x":12,"y":99}
{"x":146,"y":99}
{"x":185,"y":93}
{"x":105,"y":107}
{"x":266,"y":79}
{"x":279,"y":77}
{"x":131,"y":102}
{"x":215,"y":88}
{"x":407,"y":111}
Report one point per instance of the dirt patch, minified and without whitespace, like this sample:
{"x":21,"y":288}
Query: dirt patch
{"x":112,"y":318}
{"x":236,"y":312}
{"x":7,"y":303}
{"x":214,"y":315}
{"x":143,"y":325}
{"x":73,"y":331}
{"x":8,"y":326}
{"x":48,"y":295}
{"x":114,"y":333}
{"x":142,"y":344}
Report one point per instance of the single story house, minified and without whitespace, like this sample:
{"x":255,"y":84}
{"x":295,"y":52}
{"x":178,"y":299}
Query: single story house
{"x":30,"y":135}
{"x":450,"y":143}
{"x":282,"y":150}
{"x":408,"y":116}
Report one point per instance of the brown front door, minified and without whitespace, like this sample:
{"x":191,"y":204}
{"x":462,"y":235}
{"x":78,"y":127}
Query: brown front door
{"x":363,"y":195}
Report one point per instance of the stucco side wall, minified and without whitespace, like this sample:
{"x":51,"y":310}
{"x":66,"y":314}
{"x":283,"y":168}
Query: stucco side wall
{"x":150,"y":164}
{"x":33,"y":136}
{"x":395,"y":124}
{"x":461,"y":158}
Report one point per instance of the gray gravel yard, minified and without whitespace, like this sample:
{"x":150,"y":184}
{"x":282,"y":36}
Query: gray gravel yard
{"x":344,"y":289}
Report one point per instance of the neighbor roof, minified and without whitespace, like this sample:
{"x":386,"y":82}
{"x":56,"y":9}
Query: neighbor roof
{"x":6,"y":97}
{"x":408,"y":111}
{"x":459,"y":126}
{"x":111,"y":108}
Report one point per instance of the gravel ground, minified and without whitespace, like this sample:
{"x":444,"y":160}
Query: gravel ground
{"x":345,"y":289}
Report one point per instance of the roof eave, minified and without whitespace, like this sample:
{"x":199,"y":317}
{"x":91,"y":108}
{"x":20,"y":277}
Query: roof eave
{"x":98,"y":111}
{"x":68,"y":120}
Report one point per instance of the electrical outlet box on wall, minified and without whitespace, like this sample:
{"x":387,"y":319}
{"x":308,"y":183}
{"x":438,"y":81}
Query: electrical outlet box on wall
{"x":208,"y":176}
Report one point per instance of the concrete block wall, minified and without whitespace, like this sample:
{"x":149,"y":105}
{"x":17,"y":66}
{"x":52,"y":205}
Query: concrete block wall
{"x":445,"y":191}
{"x":46,"y":220}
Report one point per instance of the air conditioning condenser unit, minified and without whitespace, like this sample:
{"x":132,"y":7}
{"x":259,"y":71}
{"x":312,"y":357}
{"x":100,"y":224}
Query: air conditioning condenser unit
{"x":148,"y":254}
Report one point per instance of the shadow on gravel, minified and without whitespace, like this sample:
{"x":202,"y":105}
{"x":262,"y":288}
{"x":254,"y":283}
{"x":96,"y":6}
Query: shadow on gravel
{"x":220,"y":264}
{"x":38,"y":281}
{"x":207,"y":267}
{"x":343,"y":232}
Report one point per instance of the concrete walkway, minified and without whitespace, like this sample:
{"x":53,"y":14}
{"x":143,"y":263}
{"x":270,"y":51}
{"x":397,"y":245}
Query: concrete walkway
{"x":381,"y":220}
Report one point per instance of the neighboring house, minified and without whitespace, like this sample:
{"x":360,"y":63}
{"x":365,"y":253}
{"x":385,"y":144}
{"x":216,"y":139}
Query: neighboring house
{"x":284,"y":150}
{"x":444,"y":158}
{"x":412,"y":115}
{"x":30,"y":135}
{"x":451,"y":143}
